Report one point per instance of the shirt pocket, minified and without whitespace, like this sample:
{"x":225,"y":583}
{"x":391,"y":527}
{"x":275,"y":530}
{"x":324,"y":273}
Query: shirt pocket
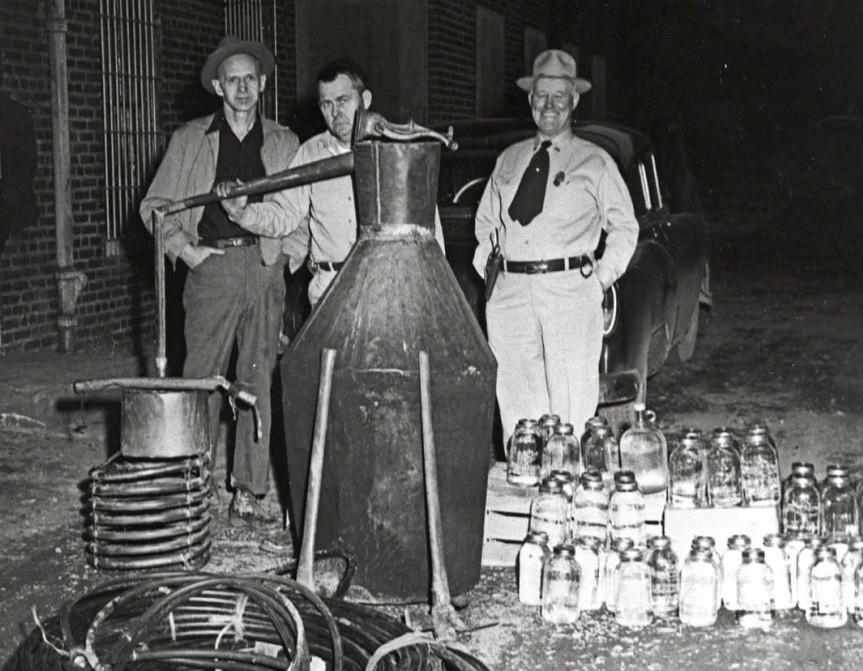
{"x":568,"y":198}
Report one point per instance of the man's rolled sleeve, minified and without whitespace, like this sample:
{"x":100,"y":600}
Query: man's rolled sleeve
{"x":621,"y":225}
{"x":487,"y":221}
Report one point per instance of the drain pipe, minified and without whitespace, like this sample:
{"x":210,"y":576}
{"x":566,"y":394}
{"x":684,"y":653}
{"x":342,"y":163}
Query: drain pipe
{"x":70,"y":282}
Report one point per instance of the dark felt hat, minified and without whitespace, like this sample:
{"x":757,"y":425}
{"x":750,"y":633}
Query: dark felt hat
{"x":231,"y":46}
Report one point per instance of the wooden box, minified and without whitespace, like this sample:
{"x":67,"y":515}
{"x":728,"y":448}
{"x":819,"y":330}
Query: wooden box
{"x":683,"y":524}
{"x":507,"y":515}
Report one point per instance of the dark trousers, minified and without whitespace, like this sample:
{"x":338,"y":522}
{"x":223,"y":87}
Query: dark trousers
{"x":236,"y":298}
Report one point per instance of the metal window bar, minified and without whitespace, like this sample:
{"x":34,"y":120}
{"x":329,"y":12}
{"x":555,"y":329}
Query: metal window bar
{"x":129,"y":108}
{"x":247,"y":19}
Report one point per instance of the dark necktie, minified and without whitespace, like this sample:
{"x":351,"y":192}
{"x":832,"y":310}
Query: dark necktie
{"x":530,"y":195}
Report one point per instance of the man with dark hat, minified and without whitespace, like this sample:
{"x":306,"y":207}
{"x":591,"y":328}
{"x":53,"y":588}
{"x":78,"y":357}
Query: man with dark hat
{"x":234,"y":292}
{"x":548,"y":200}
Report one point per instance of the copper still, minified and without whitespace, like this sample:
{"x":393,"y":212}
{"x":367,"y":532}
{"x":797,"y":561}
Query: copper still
{"x":394,"y":296}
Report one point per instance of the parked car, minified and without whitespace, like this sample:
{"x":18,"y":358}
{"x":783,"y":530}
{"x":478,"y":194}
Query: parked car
{"x":652,"y":311}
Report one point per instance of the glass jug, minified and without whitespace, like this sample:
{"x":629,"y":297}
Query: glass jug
{"x":644,"y":450}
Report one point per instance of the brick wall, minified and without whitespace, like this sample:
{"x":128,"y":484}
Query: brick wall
{"x":115,"y":310}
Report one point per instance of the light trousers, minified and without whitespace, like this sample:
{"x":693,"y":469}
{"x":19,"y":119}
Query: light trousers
{"x":546,"y":332}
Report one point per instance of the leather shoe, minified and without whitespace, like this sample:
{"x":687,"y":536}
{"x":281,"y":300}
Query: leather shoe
{"x":246,"y":509}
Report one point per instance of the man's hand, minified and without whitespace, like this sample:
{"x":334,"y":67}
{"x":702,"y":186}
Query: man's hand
{"x":193,"y":255}
{"x":234,"y":207}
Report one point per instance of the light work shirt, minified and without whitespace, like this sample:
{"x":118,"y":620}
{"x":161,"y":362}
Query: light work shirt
{"x":324,"y":211}
{"x":585,"y":194}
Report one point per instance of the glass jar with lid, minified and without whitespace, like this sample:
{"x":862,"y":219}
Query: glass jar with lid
{"x":561,"y":579}
{"x":759,"y":470}
{"x":801,"y":508}
{"x":754,"y":591}
{"x":626,"y":510}
{"x":805,"y":562}
{"x":731,"y":561}
{"x":826,"y":608}
{"x":532,"y":556}
{"x":560,"y":451}
{"x":525,"y":452}
{"x":723,"y":472}
{"x":727,"y":436}
{"x":699,"y":587}
{"x":587,"y":556}
{"x":608,"y":582}
{"x":548,"y":511}
{"x":839,"y":514}
{"x":590,"y":507}
{"x":708,"y":543}
{"x":850,"y":563}
{"x":600,"y":452}
{"x":632,"y":599}
{"x":664,"y":578}
{"x":644,"y":450}
{"x":589,"y":427}
{"x":547,"y":424}
{"x":777,"y":561}
{"x":685,"y":472}
{"x":802,"y":469}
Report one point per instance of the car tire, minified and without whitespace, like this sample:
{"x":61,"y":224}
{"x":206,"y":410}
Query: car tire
{"x":685,"y":349}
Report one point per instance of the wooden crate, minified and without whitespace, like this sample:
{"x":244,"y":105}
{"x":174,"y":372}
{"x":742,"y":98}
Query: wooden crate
{"x":683,"y":524}
{"x":507,"y":514}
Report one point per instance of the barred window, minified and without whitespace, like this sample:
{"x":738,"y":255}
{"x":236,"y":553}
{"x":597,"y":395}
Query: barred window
{"x":132,"y":138}
{"x":256,"y":20}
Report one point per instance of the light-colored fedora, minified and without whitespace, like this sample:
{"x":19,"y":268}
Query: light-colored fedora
{"x":231,"y":46}
{"x":557,"y":64}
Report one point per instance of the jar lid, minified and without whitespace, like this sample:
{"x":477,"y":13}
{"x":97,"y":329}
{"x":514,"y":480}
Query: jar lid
{"x":802,"y":468}
{"x":739,"y":541}
{"x":563,"y":477}
{"x":529,"y":423}
{"x":753,"y":555}
{"x":774,"y":540}
{"x":550,"y":485}
{"x":564,"y":550}
{"x":549,"y":419}
{"x":624,"y":476}
{"x":537,"y":537}
{"x":692,"y":431}
{"x":825,"y":552}
{"x":564,"y":429}
{"x":626,"y":485}
{"x":602,"y":431}
{"x":621,"y":544}
{"x":706,"y":542}
{"x":701,"y":554}
{"x":659,"y":542}
{"x":590,"y":477}
{"x":591,"y":542}
{"x":632,"y":554}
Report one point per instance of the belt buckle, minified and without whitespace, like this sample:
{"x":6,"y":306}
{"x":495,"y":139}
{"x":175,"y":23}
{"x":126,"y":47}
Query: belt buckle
{"x":312,"y":266}
{"x":586,"y":268}
{"x":536,"y":268}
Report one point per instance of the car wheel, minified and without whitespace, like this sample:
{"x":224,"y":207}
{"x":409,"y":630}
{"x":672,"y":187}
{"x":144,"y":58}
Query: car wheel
{"x":684,"y":349}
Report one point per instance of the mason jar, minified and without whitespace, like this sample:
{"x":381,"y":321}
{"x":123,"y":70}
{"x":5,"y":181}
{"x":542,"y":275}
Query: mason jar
{"x":664,"y":578}
{"x":699,"y":587}
{"x":805,"y":562}
{"x":708,"y":543}
{"x":589,"y":427}
{"x":685,"y":473}
{"x":777,"y":561}
{"x":560,"y":452}
{"x":801,"y":508}
{"x":800,"y":469}
{"x":567,"y":483}
{"x":547,"y":424}
{"x":759,"y":471}
{"x":850,"y":562}
{"x":723,"y":472}
{"x":601,"y":453}
{"x":626,"y":510}
{"x":525,"y":452}
{"x":590,"y":507}
{"x":731,"y":561}
{"x":839,"y":514}
{"x":754,"y":591}
{"x":548,"y":511}
{"x":608,"y":583}
{"x":532,"y":556}
{"x":826,"y":608}
{"x":561,"y":579}
{"x":587,"y":556}
{"x":632,"y":598}
{"x":644,"y":450}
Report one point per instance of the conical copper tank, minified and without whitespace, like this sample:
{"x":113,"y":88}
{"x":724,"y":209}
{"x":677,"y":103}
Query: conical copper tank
{"x":395,"y":296}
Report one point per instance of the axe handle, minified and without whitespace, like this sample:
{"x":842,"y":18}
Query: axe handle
{"x":305,"y":566}
{"x":440,"y":583}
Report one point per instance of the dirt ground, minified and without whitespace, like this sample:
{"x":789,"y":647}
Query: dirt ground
{"x":782,"y":344}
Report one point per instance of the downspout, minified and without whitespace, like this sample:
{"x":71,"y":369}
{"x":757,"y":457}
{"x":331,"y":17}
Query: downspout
{"x":69,"y":281}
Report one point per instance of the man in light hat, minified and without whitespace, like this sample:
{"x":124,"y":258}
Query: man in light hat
{"x":234,"y":292}
{"x":548,"y":199}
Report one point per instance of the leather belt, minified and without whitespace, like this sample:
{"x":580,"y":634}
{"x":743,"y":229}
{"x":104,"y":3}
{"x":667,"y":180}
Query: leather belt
{"x":227,"y":243}
{"x":332,"y":266}
{"x":583,"y":262}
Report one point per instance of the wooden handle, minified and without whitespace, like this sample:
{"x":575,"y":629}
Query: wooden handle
{"x":305,"y":568}
{"x":440,"y":583}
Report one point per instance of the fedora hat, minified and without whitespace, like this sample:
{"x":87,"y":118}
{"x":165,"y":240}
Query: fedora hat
{"x":557,"y":64}
{"x":231,"y":46}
